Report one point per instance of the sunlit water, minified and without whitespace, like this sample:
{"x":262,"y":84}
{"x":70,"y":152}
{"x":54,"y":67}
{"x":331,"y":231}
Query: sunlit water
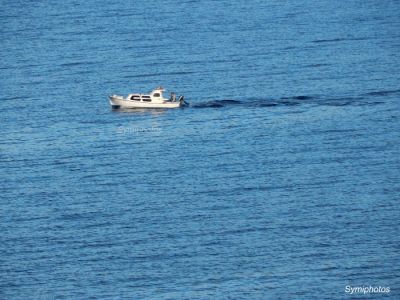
{"x":279,"y":180}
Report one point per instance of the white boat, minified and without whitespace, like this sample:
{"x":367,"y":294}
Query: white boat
{"x":153,"y":100}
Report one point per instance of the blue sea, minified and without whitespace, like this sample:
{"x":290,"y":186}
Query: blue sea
{"x":279,"y":180}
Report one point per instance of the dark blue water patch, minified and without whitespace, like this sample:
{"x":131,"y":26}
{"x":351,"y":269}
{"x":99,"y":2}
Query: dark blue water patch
{"x":289,"y":48}
{"x":303,"y":97}
{"x":230,"y":102}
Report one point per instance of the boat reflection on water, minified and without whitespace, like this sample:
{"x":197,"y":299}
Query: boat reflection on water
{"x":141,"y":111}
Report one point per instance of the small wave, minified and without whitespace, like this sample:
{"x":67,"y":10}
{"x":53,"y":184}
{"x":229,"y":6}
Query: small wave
{"x":370,"y":103}
{"x":382,"y":93}
{"x":344,"y":101}
{"x":230,"y":101}
{"x":301,"y":97}
{"x":294,"y":100}
{"x":158,"y":74}
{"x":78,"y":63}
{"x":288,"y":101}
{"x":266,"y":104}
{"x":12,"y":98}
{"x":337,"y":103}
{"x":209,"y":104}
{"x":328,"y":40}
{"x":316,"y":65}
{"x":215,"y":103}
{"x":291,"y":101}
{"x":340,"y":40}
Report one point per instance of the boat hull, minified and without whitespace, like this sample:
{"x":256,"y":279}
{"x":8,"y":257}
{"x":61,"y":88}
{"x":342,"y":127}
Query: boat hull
{"x":124,"y":103}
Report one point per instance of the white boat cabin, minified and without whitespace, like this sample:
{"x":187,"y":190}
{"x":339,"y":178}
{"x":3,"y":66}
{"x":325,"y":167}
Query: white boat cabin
{"x":156,"y":96}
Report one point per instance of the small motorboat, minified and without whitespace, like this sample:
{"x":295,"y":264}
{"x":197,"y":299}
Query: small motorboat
{"x":153,"y":100}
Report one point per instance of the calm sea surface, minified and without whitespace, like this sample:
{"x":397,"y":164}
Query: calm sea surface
{"x":280,"y":180}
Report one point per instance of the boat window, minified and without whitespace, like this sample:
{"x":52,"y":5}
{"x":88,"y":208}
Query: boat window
{"x":156,"y":95}
{"x":146,"y":99}
{"x":135,"y":97}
